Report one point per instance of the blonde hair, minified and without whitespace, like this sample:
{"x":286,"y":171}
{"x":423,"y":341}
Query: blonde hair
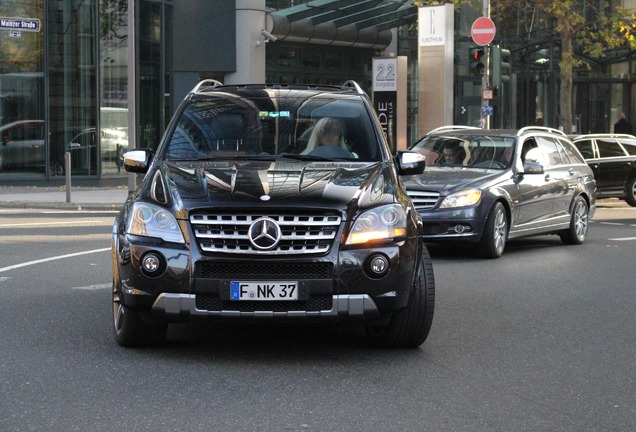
{"x":325,"y":126}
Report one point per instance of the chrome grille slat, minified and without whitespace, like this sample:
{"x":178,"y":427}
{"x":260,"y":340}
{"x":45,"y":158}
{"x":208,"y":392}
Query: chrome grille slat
{"x":301,"y":234}
{"x":423,"y":200}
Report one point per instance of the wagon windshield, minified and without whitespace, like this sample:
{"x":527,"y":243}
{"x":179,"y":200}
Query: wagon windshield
{"x":469,"y":151}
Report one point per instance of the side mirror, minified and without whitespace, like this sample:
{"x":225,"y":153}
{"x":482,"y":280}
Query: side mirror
{"x":137,"y":161}
{"x":410,"y":162}
{"x":532,"y":168}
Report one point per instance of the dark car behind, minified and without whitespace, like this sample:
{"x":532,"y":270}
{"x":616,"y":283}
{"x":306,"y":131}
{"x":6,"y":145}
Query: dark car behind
{"x":612,"y":157}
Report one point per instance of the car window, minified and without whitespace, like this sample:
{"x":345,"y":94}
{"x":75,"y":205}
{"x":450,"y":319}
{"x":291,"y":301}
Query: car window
{"x":570,"y":150}
{"x":236,"y":127}
{"x":586,"y":147}
{"x":549,"y":148}
{"x":629,"y":145}
{"x":474,"y":151}
{"x":609,"y":148}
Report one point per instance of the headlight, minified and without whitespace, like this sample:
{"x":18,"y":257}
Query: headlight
{"x":386,"y":222}
{"x":149,"y":220}
{"x":462,"y":199}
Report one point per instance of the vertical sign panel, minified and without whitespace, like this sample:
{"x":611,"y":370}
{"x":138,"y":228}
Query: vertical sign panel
{"x":389,"y":98}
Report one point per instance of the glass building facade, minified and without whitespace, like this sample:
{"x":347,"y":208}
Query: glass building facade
{"x":65,"y":67}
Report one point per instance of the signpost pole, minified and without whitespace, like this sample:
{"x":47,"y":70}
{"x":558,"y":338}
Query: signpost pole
{"x":485,"y":78}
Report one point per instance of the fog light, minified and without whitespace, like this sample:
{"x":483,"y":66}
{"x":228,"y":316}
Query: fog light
{"x":459,"y":229}
{"x":152,"y":264}
{"x":377,"y":265}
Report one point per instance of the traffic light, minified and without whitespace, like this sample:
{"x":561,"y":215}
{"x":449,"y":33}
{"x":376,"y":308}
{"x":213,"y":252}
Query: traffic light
{"x":500,"y":65}
{"x":477,"y":60}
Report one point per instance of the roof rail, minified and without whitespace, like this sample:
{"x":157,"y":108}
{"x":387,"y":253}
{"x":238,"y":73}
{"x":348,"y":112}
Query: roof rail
{"x":451,"y":128}
{"x":206,"y":83}
{"x":605,"y":135}
{"x":541,"y":129}
{"x":354,"y":85}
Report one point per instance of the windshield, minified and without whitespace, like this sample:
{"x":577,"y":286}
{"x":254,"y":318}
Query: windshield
{"x":313,"y":128}
{"x":468,"y":151}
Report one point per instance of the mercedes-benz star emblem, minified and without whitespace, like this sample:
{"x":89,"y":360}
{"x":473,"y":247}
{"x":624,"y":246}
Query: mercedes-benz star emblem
{"x":264,"y":233}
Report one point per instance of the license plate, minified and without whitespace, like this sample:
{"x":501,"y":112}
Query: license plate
{"x":269,"y":290}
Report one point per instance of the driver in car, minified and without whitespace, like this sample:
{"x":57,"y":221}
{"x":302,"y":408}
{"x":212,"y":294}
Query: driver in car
{"x":328,"y":132}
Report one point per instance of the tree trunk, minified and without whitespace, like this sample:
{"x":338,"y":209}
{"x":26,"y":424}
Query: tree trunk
{"x":566,"y":65}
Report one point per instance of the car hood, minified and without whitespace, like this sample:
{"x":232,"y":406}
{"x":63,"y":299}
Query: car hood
{"x":448,"y":179}
{"x":234,"y":184}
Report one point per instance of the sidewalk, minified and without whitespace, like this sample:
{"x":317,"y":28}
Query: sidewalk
{"x":113,"y":197}
{"x":54,"y":197}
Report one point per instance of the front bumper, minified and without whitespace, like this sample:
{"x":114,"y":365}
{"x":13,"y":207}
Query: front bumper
{"x":343,"y":306}
{"x":336,"y":286}
{"x":463,"y":225}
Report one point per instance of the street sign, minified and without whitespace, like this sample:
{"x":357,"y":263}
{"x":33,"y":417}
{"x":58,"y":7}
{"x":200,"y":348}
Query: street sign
{"x":483,"y":31}
{"x":487,"y":110}
{"x":487,"y":94}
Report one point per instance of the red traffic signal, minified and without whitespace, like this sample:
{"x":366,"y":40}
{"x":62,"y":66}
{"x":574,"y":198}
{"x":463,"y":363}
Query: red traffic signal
{"x":477,"y":60}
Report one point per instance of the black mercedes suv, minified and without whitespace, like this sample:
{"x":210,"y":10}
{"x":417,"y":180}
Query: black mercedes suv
{"x":272,"y":202}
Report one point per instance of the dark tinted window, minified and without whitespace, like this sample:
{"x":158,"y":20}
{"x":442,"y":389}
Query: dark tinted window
{"x":586,"y":148}
{"x":629,"y":145}
{"x":609,"y":148}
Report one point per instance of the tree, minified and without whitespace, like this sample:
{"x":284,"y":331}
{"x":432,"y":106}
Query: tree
{"x":605,"y":31}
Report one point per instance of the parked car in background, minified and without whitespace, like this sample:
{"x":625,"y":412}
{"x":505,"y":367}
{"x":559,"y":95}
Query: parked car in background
{"x":240,"y":217}
{"x":484,"y":187}
{"x":22,"y":144}
{"x":612,"y":158}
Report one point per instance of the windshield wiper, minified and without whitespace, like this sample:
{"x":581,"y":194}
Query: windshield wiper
{"x":302,"y":157}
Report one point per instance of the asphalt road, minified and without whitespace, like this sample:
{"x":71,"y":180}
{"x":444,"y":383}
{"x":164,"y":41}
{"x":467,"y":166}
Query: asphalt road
{"x":542,"y":339}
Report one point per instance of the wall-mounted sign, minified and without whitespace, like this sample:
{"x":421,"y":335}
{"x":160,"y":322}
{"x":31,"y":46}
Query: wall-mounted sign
{"x":20,"y":24}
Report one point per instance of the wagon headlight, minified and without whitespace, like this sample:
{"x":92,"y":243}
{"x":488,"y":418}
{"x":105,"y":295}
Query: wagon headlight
{"x":382,"y":223}
{"x":149,"y":220}
{"x":462,"y":199}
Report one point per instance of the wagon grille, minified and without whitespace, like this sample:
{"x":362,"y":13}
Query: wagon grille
{"x":423,"y":200}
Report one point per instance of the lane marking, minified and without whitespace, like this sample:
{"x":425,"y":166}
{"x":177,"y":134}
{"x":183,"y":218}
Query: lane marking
{"x":622,"y":239}
{"x":612,"y":223}
{"x":13,"y":267}
{"x":51,"y":223}
{"x":2,"y":279}
{"x":93,"y":287}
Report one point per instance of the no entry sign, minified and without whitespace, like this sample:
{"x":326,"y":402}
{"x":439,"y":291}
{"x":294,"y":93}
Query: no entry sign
{"x":483,"y":31}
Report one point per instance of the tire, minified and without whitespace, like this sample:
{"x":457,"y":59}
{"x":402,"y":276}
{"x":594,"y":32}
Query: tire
{"x":409,"y":327}
{"x":493,"y":239}
{"x":130,"y":328}
{"x":630,"y":192}
{"x":579,"y":221}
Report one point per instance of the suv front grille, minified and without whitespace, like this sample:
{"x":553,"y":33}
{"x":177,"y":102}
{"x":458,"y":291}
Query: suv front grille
{"x":300,"y":234}
{"x":214,"y":303}
{"x":261,"y":270}
{"x":423,"y":200}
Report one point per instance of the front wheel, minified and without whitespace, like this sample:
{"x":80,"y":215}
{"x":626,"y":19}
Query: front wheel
{"x":630,"y":195}
{"x":577,"y":231}
{"x":130,"y":328}
{"x":495,"y":235}
{"x":409,"y":327}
